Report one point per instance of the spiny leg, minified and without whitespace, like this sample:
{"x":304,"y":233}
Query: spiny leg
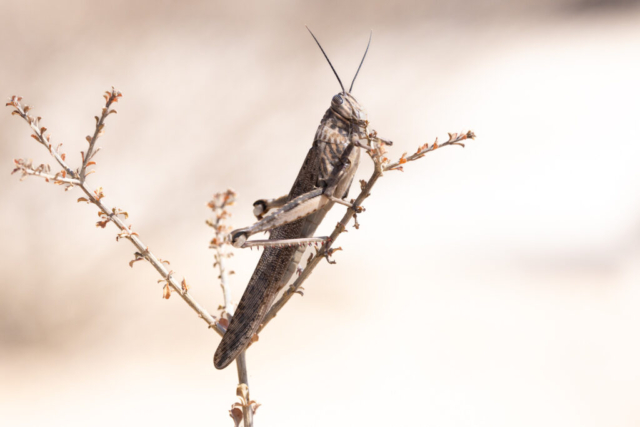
{"x":297,"y":208}
{"x":300,"y":207}
{"x":306,"y":241}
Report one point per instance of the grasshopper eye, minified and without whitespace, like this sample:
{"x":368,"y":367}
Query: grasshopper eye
{"x":337,"y":100}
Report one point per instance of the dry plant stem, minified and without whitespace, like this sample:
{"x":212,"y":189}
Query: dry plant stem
{"x":40,"y":137}
{"x":49,"y":177}
{"x":243,"y":378}
{"x":110,"y":214}
{"x":78,"y":178}
{"x":241,"y":360}
{"x":224,"y":277}
{"x":153,"y":260}
{"x":325,"y":251}
{"x":99,"y":130}
{"x":228,"y":305}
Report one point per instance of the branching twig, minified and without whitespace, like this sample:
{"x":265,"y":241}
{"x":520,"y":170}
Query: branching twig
{"x":72,"y":178}
{"x":25,"y":167}
{"x":39,"y":133}
{"x":110,"y":97}
{"x":245,"y":409}
{"x":381,"y":164}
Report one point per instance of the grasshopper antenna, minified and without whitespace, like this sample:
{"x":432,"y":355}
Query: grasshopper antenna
{"x":330,"y":64}
{"x":360,"y":66}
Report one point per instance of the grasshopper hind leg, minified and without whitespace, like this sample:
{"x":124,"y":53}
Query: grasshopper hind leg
{"x":262,"y":206}
{"x":300,"y":207}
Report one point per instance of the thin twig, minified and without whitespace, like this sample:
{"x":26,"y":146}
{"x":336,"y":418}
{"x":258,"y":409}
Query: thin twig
{"x":26,"y":169}
{"x":243,"y":380}
{"x":39,"y":133}
{"x":110,"y":215}
{"x":111,"y":97}
{"x":220,"y":242}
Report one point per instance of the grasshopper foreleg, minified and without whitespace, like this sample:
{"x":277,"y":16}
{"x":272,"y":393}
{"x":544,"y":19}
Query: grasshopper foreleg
{"x":341,"y":202}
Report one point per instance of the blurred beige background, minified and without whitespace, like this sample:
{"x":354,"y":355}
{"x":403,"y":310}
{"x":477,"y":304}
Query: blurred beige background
{"x":492,"y":286}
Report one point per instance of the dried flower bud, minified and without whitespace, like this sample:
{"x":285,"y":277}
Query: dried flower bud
{"x":166,"y":291}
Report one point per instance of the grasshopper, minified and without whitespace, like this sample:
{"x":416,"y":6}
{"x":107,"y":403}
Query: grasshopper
{"x":324,"y":179}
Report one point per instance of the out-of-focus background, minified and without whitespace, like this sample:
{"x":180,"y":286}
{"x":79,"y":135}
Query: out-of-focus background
{"x":497,"y":285}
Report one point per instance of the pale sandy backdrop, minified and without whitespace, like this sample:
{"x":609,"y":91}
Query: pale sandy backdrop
{"x":497,"y":285}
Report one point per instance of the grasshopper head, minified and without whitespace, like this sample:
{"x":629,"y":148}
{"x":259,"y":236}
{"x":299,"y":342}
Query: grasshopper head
{"x":344,"y":104}
{"x":348,"y":108}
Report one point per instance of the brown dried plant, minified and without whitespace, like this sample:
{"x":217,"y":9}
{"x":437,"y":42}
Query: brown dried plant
{"x":244,"y":410}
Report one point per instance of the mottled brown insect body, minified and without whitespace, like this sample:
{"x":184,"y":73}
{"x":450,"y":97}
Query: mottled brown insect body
{"x":341,"y":125}
{"x":326,"y":174}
